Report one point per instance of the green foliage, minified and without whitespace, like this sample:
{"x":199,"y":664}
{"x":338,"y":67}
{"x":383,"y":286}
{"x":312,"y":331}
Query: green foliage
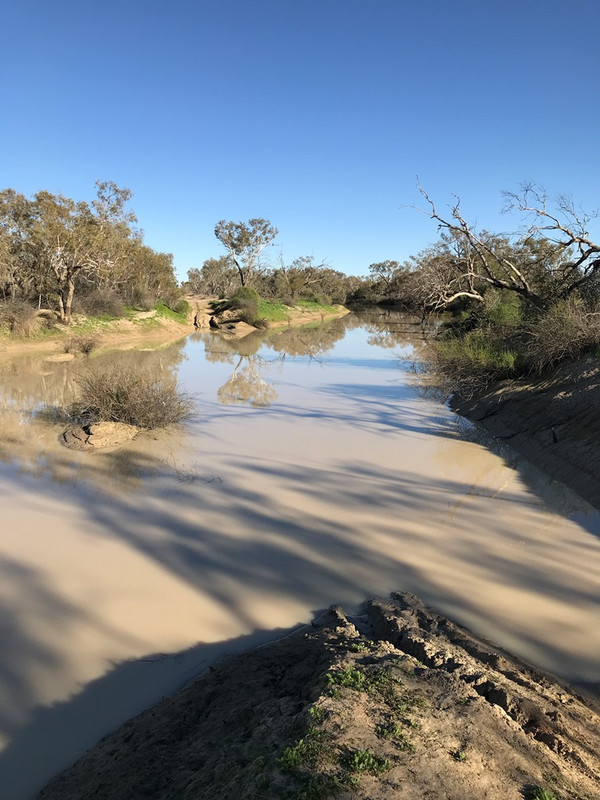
{"x":393,"y":731}
{"x":358,"y":646}
{"x":371,"y":681}
{"x":132,"y":396}
{"x":305,"y":752}
{"x":273,"y":311}
{"x":243,"y":294}
{"x":503,"y":309}
{"x":318,"y":714}
{"x":181,"y":316}
{"x":320,"y":305}
{"x":244,"y":242}
{"x":365,"y":761}
{"x":54,"y":249}
{"x":349,"y":676}
{"x":539,"y":793}
{"x":471,"y":362}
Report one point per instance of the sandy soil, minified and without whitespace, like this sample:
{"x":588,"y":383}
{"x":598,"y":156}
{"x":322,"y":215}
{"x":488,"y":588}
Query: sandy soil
{"x":398,"y":702}
{"x":554,"y":422}
{"x":114,"y":335}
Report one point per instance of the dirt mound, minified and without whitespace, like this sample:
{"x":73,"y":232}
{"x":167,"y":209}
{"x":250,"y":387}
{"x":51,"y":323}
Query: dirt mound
{"x":398,"y":702}
{"x":554,"y":422}
{"x":99,"y":435}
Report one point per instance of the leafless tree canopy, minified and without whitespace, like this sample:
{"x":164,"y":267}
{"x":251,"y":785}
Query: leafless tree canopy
{"x":550,"y":259}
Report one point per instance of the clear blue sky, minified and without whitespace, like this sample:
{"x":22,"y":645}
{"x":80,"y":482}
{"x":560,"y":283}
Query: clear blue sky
{"x":316,"y":114}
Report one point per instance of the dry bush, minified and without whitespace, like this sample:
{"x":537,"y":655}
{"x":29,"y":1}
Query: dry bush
{"x":19,"y":317}
{"x":564,"y":332}
{"x":100,"y":302}
{"x":133,"y":396}
{"x":84,"y":343}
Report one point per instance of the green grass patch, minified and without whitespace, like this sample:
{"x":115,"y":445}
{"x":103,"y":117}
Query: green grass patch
{"x":272,"y":311}
{"x":365,"y":761}
{"x":393,"y":732}
{"x":312,"y":305}
{"x":305,"y":752}
{"x":538,"y":793}
{"x":181,"y":316}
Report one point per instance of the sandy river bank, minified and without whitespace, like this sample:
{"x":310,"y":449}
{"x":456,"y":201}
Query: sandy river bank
{"x":554,"y":422}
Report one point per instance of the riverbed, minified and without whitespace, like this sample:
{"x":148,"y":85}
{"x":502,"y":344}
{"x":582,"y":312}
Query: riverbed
{"x":314,"y":471}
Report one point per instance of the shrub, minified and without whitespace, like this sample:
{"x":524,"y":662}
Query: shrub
{"x":181,"y":306}
{"x":163,"y":310}
{"x":19,"y":317}
{"x":132,"y":396}
{"x":248,"y":309}
{"x":99,"y":302}
{"x":140,"y":300}
{"x":471,"y":362}
{"x":243,"y":294}
{"x":564,"y":332}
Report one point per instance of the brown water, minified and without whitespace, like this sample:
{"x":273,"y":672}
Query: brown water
{"x":313,"y":472}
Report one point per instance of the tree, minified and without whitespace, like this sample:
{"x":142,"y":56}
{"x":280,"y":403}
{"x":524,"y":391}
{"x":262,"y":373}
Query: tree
{"x":549,"y":260}
{"x":217,"y":276}
{"x":245,"y":242}
{"x":295,"y":280}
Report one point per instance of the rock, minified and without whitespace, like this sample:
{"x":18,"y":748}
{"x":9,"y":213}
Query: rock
{"x":99,"y":435}
{"x":110,"y":434}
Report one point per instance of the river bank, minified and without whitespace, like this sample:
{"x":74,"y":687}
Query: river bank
{"x":554,"y":422}
{"x":397,"y":701}
{"x":151,"y":329}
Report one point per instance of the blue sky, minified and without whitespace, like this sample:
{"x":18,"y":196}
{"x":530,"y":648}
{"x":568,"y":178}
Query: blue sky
{"x":316,"y":114}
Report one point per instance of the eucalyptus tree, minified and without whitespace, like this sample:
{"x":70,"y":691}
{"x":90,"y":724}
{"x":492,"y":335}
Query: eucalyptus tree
{"x":217,"y":276}
{"x":244,"y":242}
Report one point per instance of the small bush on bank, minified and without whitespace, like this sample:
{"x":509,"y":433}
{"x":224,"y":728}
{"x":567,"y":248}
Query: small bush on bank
{"x":135,"y":397}
{"x":85,"y":343}
{"x":98,"y":303}
{"x":502,"y":341}
{"x":564,"y":332}
{"x":471,"y":362}
{"x":245,"y":300}
{"x":243,"y":294}
{"x":19,"y":318}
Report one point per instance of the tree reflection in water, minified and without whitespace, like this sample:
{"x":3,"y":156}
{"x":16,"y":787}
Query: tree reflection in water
{"x":247,"y":384}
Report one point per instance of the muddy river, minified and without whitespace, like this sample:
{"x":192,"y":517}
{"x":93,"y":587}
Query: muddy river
{"x":313,"y":472}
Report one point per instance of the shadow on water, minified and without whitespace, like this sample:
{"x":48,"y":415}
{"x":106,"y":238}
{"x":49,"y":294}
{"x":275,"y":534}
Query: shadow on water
{"x":253,"y":533}
{"x":265,"y":550}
